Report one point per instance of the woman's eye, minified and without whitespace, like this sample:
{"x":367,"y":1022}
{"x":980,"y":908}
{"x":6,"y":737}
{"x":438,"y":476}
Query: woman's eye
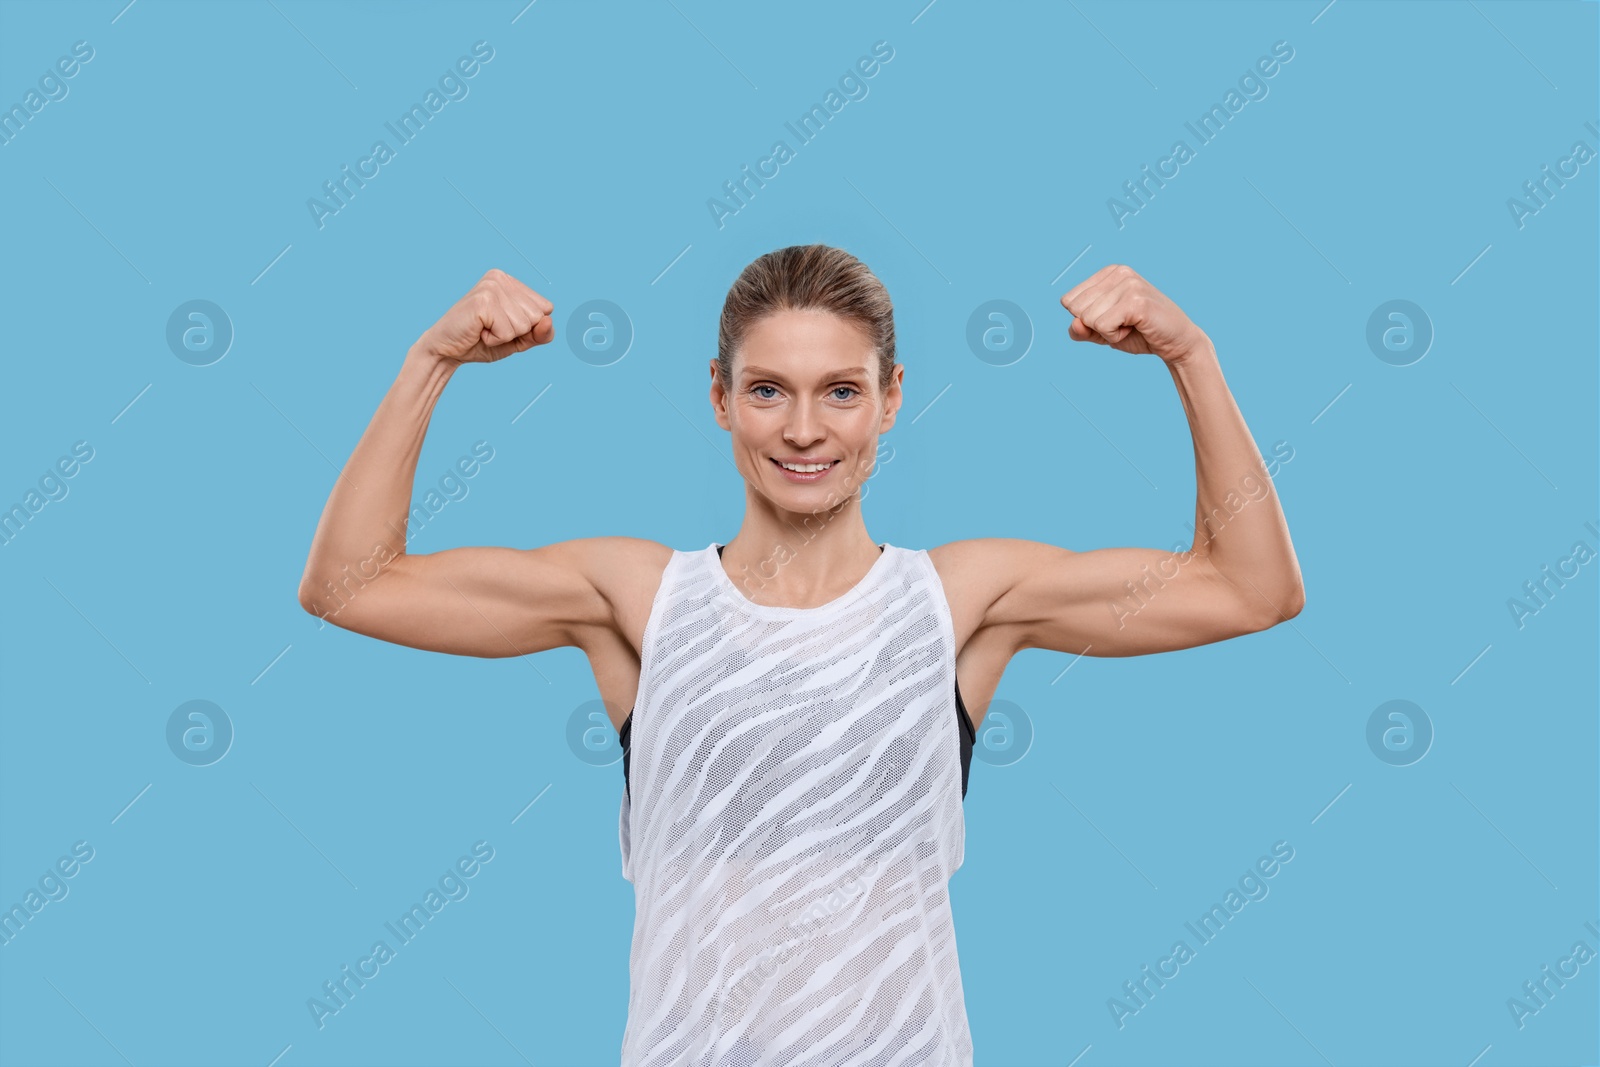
{"x":770,"y":394}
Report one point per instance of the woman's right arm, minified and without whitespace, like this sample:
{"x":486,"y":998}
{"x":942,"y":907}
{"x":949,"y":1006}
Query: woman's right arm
{"x":470,"y":601}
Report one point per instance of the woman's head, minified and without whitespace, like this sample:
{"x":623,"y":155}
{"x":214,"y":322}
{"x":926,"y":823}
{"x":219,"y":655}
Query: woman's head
{"x":805,"y":369}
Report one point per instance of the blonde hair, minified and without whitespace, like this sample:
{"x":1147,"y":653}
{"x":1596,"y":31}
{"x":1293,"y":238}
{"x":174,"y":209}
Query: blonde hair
{"x":805,"y":277}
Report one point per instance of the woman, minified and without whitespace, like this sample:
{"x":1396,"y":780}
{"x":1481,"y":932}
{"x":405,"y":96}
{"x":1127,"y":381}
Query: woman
{"x":797,"y":739}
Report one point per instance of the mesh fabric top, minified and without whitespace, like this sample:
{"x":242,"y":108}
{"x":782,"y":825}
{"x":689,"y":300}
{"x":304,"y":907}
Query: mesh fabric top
{"x":792,"y":821}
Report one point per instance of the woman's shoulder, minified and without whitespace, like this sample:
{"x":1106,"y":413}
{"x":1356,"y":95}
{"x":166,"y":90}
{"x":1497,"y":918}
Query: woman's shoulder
{"x":976,"y":572}
{"x":623,"y":570}
{"x":622,"y":560}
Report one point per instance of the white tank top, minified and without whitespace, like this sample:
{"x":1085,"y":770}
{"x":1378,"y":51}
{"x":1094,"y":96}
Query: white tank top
{"x":792,"y":819}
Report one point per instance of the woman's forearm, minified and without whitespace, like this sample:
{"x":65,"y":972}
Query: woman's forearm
{"x":1239,"y":524}
{"x":363,"y":524}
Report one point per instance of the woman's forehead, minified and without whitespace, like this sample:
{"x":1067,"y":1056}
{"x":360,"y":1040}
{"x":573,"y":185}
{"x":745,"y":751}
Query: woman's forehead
{"x":799,"y":342}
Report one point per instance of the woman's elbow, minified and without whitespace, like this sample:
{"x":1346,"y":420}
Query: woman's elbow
{"x":308,"y":596}
{"x":1279,"y":607}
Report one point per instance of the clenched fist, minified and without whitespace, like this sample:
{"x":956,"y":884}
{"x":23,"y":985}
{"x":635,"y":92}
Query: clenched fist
{"x":498,"y":317}
{"x":1115,"y":306}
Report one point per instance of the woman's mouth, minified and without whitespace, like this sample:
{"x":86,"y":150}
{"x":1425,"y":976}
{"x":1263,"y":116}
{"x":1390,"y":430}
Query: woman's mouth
{"x":805,"y":472}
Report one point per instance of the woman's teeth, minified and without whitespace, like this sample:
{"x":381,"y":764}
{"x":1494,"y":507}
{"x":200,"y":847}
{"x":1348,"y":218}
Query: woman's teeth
{"x":805,"y":468}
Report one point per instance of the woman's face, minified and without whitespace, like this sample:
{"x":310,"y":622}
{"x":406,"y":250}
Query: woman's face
{"x":805,"y":390}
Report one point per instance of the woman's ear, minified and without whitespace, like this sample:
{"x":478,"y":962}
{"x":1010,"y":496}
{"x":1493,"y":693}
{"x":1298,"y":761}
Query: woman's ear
{"x":719,"y":398}
{"x":893,"y":397}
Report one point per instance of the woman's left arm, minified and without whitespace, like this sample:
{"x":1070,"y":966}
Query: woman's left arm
{"x":1239,"y":576}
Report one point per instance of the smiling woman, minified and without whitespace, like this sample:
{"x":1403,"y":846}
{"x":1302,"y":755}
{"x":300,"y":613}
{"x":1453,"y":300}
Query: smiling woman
{"x":796,"y":749}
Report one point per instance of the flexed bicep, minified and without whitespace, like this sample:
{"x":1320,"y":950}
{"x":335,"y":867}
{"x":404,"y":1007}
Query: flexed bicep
{"x":1104,"y":602}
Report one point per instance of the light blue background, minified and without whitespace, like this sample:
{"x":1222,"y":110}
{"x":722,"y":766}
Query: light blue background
{"x":1420,"y":499}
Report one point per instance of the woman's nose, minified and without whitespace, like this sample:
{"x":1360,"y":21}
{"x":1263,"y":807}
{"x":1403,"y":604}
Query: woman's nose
{"x":803,"y":424}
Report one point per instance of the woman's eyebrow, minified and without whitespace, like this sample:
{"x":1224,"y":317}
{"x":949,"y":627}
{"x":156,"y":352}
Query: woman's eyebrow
{"x":847,"y":372}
